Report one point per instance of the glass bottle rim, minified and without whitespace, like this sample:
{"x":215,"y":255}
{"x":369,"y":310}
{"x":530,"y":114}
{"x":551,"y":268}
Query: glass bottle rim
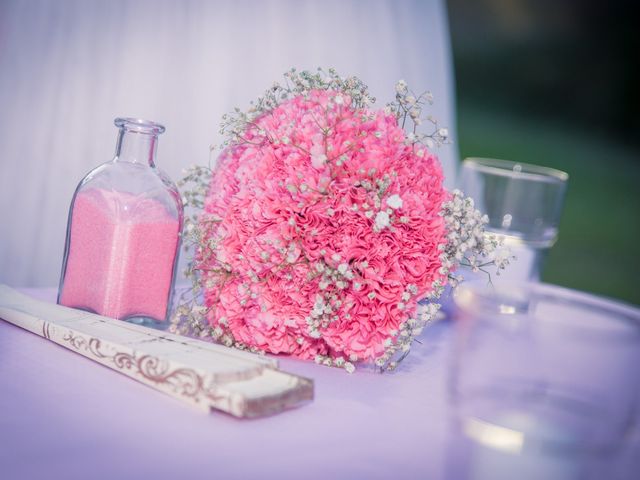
{"x":139,"y":125}
{"x":521,"y":170}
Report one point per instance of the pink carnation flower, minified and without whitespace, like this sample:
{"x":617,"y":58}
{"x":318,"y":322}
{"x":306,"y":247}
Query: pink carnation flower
{"x":327,"y":230}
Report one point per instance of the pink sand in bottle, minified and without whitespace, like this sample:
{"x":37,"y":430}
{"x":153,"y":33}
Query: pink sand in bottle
{"x":121,"y":255}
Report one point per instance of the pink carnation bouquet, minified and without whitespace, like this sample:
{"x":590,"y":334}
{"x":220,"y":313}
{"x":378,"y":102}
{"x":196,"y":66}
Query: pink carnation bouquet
{"x":323,"y":225}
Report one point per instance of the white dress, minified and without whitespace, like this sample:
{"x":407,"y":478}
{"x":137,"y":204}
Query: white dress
{"x":67,"y":69}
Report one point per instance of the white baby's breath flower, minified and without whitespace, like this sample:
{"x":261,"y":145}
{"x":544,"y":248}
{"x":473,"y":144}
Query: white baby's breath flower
{"x":502,"y":256}
{"x":394,"y":201}
{"x":382,"y":220}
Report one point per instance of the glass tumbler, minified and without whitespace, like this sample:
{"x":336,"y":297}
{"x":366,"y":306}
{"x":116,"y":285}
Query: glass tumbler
{"x":523,"y":203}
{"x":543,"y":382}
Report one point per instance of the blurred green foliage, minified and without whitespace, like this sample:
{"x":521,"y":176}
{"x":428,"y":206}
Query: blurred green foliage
{"x":555,"y":83}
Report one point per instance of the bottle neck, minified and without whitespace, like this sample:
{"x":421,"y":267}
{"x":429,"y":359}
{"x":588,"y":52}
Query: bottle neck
{"x":136,"y":147}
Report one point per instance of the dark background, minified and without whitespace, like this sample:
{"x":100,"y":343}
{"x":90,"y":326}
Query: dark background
{"x":556,"y":83}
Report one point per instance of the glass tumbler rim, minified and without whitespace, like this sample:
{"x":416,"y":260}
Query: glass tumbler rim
{"x":508,"y":168}
{"x":485,"y":303}
{"x":139,"y":125}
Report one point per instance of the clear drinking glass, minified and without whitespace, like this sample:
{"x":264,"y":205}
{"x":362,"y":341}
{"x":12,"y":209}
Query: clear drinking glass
{"x":123,"y":234}
{"x":544,"y":382}
{"x":523,"y":203}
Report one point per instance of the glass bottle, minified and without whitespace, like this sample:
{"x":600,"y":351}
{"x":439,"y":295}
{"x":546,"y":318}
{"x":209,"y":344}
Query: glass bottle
{"x":123,"y":233}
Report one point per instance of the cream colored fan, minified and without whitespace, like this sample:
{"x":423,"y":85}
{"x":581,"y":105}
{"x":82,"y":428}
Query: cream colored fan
{"x":203,"y":374}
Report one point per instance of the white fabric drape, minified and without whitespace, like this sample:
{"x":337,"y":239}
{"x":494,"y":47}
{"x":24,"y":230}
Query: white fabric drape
{"x":68,"y":68}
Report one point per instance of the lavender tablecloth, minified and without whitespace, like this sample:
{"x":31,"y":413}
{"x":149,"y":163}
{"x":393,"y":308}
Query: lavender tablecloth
{"x":64,"y":416}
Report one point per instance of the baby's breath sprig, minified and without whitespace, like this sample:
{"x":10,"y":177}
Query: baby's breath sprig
{"x":190,"y":316}
{"x":238,"y":123}
{"x":468,"y":245}
{"x":197,"y":178}
{"x":398,"y":347}
{"x":408,"y":107}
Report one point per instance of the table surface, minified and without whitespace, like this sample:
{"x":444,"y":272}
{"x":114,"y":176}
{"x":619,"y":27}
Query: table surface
{"x":64,"y":416}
